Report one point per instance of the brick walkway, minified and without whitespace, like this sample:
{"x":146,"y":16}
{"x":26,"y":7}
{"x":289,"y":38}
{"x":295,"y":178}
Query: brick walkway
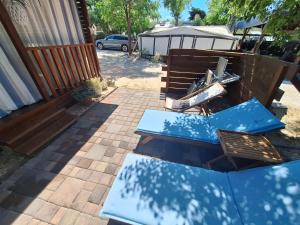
{"x":66,"y":183}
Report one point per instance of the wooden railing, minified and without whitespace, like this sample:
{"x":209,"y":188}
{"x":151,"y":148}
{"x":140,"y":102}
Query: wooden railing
{"x":65,"y":67}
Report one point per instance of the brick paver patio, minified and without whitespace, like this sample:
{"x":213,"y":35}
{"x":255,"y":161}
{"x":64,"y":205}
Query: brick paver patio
{"x":66,"y":183}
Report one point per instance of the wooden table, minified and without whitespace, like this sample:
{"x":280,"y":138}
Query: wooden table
{"x":244,"y":145}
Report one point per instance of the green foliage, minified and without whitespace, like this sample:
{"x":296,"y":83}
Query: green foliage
{"x":282,"y":16}
{"x":217,"y":13}
{"x":176,"y":7}
{"x":194,"y":11}
{"x":110,"y":14}
{"x":198,"y":22}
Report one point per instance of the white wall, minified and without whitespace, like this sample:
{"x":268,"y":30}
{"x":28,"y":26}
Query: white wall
{"x":161,"y":43}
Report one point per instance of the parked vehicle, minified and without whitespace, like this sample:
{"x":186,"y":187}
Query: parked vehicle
{"x":115,"y":41}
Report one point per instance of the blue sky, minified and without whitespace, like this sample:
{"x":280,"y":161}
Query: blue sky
{"x":165,"y":14}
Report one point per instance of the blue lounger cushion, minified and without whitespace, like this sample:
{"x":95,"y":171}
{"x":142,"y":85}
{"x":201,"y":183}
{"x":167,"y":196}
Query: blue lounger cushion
{"x":250,"y":116}
{"x":155,"y":192}
{"x":268,"y":195}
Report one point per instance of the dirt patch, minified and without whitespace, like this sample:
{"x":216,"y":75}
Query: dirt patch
{"x":131,"y":72}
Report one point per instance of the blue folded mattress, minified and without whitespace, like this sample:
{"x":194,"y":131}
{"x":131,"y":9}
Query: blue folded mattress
{"x":155,"y":192}
{"x":250,"y":116}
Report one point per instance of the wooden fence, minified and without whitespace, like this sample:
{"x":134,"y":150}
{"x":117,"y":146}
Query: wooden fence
{"x":261,"y":76}
{"x":65,"y":67}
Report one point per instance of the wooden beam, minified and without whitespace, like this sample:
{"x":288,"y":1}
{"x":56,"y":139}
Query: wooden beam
{"x":17,"y":42}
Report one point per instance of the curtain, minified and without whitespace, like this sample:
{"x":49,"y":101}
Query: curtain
{"x":46,"y":22}
{"x":17,"y":88}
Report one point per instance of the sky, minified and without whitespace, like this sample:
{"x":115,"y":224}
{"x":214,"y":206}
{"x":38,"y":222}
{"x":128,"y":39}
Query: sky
{"x":165,"y":14}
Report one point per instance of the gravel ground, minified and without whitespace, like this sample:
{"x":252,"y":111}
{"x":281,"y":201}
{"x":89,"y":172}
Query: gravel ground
{"x":131,"y":72}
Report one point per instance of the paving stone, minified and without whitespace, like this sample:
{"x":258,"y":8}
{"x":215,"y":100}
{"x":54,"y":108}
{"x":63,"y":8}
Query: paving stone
{"x":47,"y":212}
{"x":74,"y":171}
{"x":83,"y":219}
{"x":7,"y":216}
{"x":110,"y":169}
{"x":83,"y":174}
{"x":86,"y":147}
{"x":58,"y":216}
{"x":34,"y":207}
{"x":69,"y":218}
{"x":45,"y":194}
{"x":32,"y":182}
{"x":106,"y":179}
{"x":110,"y":152}
{"x":106,"y":142}
{"x":91,"y":209}
{"x":98,"y":166}
{"x":16,"y":202}
{"x":66,"y":169}
{"x":53,"y":185}
{"x":123,"y":144}
{"x":22,"y":219}
{"x":84,"y":163}
{"x":97,"y":194}
{"x":89,"y":186}
{"x":67,"y":192}
{"x":114,"y":128}
{"x":81,"y":199}
{"x":96,"y":152}
{"x":74,"y":160}
{"x":34,"y":221}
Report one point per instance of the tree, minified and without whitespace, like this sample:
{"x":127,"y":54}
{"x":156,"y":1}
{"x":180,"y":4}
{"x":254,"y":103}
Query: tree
{"x":176,"y":7}
{"x":196,"y":11}
{"x":217,"y":13}
{"x":282,"y":16}
{"x":126,"y":15}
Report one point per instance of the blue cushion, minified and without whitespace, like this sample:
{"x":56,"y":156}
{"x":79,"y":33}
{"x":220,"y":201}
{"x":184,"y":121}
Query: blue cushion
{"x":149,"y":191}
{"x":268,"y":195}
{"x":173,"y":124}
{"x":250,"y":116}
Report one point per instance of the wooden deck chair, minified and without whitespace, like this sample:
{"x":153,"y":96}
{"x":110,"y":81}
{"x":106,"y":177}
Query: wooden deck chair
{"x":196,"y":98}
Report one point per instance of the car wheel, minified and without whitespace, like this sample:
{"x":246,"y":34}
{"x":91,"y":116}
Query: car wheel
{"x":100,"y":46}
{"x":124,"y":48}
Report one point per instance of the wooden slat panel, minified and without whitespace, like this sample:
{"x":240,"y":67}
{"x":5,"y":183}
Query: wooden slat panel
{"x":65,"y":65}
{"x":164,"y":68}
{"x":45,"y":72}
{"x":76,"y":59}
{"x":71,"y":65}
{"x":52,"y":69}
{"x":179,"y":85}
{"x":89,"y":59}
{"x":85,"y":61}
{"x":179,"y":79}
{"x":93,"y":60}
{"x":186,"y":74}
{"x":58,"y":65}
{"x":85,"y":73}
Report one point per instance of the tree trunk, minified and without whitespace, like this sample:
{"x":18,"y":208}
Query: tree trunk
{"x":128,"y":19}
{"x":176,"y":20}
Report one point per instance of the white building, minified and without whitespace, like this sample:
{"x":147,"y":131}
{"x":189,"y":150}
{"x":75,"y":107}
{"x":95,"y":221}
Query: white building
{"x":161,"y":39}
